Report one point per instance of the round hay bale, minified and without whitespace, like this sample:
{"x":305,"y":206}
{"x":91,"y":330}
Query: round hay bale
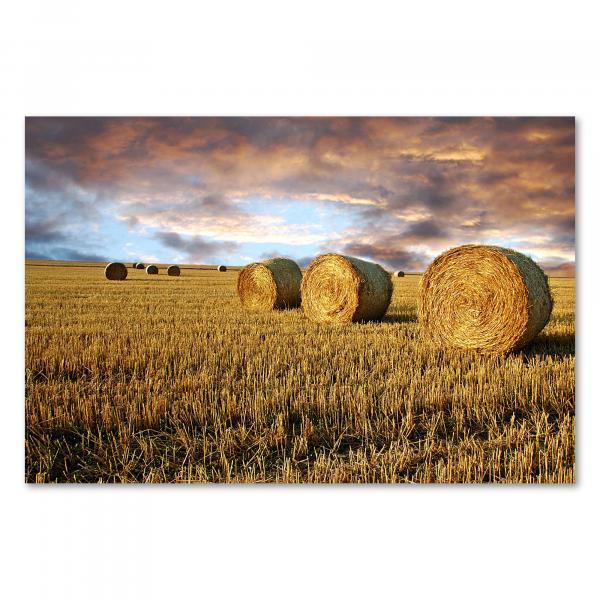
{"x":116,"y":271}
{"x":344,"y":289}
{"x":483,"y":298}
{"x":398,"y":273}
{"x":134,"y":265}
{"x":140,"y":266}
{"x":272,"y":284}
{"x":152,"y":270}
{"x":221,"y":268}
{"x":174,"y":271}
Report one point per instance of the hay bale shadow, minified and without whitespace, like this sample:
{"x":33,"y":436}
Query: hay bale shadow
{"x":551,"y":345}
{"x":410,"y":318}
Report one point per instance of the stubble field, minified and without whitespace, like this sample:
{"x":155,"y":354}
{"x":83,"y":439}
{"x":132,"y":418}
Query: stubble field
{"x":166,"y":379}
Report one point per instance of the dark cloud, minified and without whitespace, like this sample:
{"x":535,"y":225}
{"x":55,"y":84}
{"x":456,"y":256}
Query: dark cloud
{"x":65,"y":253}
{"x":425,"y":230}
{"x":388,"y":254}
{"x":269,"y":254}
{"x":43,"y":231}
{"x":132,"y":221}
{"x":304,"y":261}
{"x":36,"y":255}
{"x":44,"y":134}
{"x":73,"y":254}
{"x":215,"y":205}
{"x":518,"y":124}
{"x":436,"y":181}
{"x":195,"y":248}
{"x":565,"y":224}
{"x":490,"y":177}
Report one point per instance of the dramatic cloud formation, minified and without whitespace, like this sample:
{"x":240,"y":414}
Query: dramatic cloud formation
{"x":195,"y":248}
{"x":395,"y":190}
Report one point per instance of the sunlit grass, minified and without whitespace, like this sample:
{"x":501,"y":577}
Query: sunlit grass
{"x":165,"y":379}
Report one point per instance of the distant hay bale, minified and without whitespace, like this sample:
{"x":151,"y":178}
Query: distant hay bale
{"x":222,"y":268}
{"x":116,"y":271}
{"x":174,"y":271}
{"x":344,"y":289}
{"x":268,"y":285}
{"x":134,"y":265}
{"x":140,"y":266}
{"x":398,"y":273}
{"x":152,"y":270}
{"x":483,"y":298}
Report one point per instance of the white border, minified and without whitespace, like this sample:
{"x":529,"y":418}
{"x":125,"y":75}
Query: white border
{"x":261,"y":58}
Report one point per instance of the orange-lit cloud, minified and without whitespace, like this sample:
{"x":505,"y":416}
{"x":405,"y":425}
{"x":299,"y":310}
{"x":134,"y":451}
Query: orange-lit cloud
{"x":407,"y":188}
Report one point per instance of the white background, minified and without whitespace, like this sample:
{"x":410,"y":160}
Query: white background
{"x":305,"y":58}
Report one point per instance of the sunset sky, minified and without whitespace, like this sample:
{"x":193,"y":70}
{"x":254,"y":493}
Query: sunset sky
{"x":233,"y":190}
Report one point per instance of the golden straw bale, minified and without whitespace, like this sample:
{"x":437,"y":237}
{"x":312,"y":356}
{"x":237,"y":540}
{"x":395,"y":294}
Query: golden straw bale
{"x":344,"y":289}
{"x":272,"y":284}
{"x":222,"y":268}
{"x":116,"y":271}
{"x":140,"y":266}
{"x":152,"y":270}
{"x":484,"y":298}
{"x":398,"y":273}
{"x":174,"y":271}
{"x":134,"y":265}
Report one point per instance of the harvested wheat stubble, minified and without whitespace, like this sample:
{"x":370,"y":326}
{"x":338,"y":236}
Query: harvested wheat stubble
{"x":116,"y":271}
{"x":272,"y":284}
{"x":140,"y":266}
{"x":152,"y":270}
{"x":222,"y":268}
{"x":174,"y":271}
{"x":344,"y":289}
{"x":398,"y":273}
{"x":483,"y":298}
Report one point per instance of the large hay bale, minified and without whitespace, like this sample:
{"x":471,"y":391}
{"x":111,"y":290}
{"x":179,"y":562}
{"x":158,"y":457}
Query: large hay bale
{"x":116,"y":271}
{"x":152,"y":270}
{"x":221,"y":268}
{"x":174,"y":271}
{"x":483,"y":298}
{"x":398,"y":273}
{"x":272,"y":284}
{"x":140,"y":266}
{"x":344,"y":289}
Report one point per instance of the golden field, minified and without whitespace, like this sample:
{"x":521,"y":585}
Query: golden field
{"x":166,"y":379}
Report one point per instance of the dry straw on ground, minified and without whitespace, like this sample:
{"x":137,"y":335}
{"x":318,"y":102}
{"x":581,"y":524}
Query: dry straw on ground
{"x":222,"y":268}
{"x":483,"y":298}
{"x":115,"y":271}
{"x":174,"y":271}
{"x":184,"y":387}
{"x":140,"y":266}
{"x":272,"y":284}
{"x":398,"y":273}
{"x":343,"y":289}
{"x":152,"y":270}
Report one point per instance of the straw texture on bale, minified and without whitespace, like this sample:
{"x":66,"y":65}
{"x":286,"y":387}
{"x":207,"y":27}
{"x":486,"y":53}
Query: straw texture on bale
{"x":344,"y":289}
{"x":483,"y":298}
{"x":116,"y":271}
{"x":174,"y":271}
{"x":140,"y":266}
{"x":398,"y":273}
{"x":152,"y":270}
{"x":272,"y":284}
{"x":222,"y":268}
